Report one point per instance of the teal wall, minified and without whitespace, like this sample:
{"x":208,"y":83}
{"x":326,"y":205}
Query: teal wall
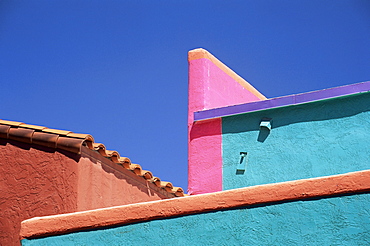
{"x":309,"y":140}
{"x":332,"y":221}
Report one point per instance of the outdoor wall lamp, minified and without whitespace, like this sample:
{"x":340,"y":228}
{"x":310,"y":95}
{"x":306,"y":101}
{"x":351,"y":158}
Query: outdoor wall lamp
{"x":266,"y":123}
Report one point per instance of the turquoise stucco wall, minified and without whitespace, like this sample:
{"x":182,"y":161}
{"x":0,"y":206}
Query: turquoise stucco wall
{"x":309,"y":140}
{"x":331,"y":221}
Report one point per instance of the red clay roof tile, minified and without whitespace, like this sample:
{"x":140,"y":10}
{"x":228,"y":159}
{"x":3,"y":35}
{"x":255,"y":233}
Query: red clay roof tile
{"x":146,"y":174}
{"x":73,"y":142}
{"x":4,"y":131}
{"x":40,"y":128}
{"x":55,"y":131}
{"x":45,"y":139}
{"x":70,"y":144}
{"x":21,"y":134}
{"x":10,"y":123}
{"x":156,"y":181}
{"x":125,"y":162}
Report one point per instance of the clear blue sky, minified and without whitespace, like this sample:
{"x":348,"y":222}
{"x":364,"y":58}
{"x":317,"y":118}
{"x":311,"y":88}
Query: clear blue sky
{"x":118,"y":69}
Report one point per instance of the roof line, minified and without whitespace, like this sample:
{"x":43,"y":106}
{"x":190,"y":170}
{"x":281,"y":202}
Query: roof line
{"x":73,"y":142}
{"x":201,"y":53}
{"x":285,"y":101}
{"x":354,"y":182}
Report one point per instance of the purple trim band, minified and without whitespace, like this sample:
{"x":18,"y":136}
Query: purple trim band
{"x":283,"y":101}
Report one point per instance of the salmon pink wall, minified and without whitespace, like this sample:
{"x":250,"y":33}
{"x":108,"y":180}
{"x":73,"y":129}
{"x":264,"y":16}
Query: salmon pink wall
{"x":35,"y":182}
{"x":102,"y":183}
{"x":211,"y":85}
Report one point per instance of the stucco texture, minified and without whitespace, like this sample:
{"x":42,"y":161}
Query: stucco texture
{"x":218,"y":88}
{"x":38,"y":182}
{"x":328,"y":221}
{"x":209,"y":87}
{"x":309,"y":140}
{"x":33,"y":187}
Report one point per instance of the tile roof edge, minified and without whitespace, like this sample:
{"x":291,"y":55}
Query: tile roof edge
{"x":295,"y":99}
{"x":328,"y":186}
{"x":73,"y":142}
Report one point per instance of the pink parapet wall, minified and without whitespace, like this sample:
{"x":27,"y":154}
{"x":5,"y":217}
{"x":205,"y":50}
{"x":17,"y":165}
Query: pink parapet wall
{"x":211,"y":85}
{"x":205,"y":157}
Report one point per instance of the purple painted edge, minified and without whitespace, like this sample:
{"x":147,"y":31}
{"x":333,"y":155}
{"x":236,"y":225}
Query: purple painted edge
{"x":283,"y":101}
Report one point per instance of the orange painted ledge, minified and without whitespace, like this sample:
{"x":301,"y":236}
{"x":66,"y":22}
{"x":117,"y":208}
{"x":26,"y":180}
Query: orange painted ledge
{"x":202,"y":53}
{"x":354,"y":182}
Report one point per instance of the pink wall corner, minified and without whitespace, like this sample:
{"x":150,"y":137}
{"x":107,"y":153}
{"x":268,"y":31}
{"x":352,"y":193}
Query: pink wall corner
{"x":211,"y":85}
{"x":205,"y":157}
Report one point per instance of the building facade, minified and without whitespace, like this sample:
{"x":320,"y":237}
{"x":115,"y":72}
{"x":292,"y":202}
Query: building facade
{"x":291,"y":170}
{"x":47,"y":171}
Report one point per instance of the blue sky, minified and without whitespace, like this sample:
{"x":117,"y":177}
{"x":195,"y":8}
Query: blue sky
{"x":118,"y":69}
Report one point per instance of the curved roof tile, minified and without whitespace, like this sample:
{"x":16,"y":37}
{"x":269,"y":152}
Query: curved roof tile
{"x":73,"y":142}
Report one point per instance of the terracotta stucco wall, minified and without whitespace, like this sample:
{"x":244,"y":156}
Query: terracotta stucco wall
{"x":35,"y":182}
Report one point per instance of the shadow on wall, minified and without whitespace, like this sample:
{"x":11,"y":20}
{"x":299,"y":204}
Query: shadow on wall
{"x":263,"y":134}
{"x":205,"y":128}
{"x":315,"y":111}
{"x":121,"y":173}
{"x":106,"y":165}
{"x":28,"y":146}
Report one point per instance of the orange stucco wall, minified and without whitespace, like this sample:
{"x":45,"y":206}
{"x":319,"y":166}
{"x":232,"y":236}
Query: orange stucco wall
{"x":38,"y":182}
